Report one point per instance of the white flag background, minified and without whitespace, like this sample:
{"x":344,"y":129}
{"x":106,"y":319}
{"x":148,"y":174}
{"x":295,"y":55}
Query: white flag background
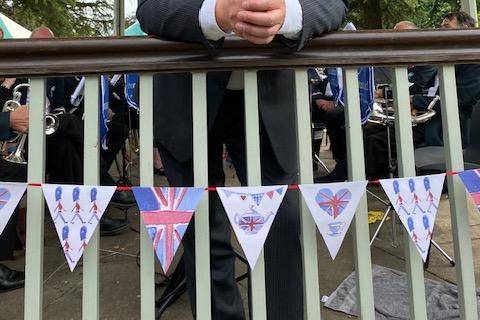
{"x":76,"y":211}
{"x":333,"y":206}
{"x":251,"y":211}
{"x":10,"y":195}
{"x":416,"y":202}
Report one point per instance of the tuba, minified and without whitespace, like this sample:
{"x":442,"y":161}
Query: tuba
{"x":51,"y":126}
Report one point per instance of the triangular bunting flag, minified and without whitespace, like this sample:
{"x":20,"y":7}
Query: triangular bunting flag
{"x":76,"y":211}
{"x":333,"y":206}
{"x":471,"y":180}
{"x":251,"y":220}
{"x":257,"y":198}
{"x":416,"y":202}
{"x":166,"y":213}
{"x":10,"y":195}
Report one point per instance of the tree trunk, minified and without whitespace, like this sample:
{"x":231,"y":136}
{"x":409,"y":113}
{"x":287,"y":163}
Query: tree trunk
{"x":372,"y":14}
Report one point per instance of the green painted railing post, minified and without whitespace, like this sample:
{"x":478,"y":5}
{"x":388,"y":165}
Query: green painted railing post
{"x":91,"y":256}
{"x":147,"y":254}
{"x":356,"y":172}
{"x":200,"y":171}
{"x":309,"y":230}
{"x":254,"y":178}
{"x":457,"y":195}
{"x":406,"y":168}
{"x":35,"y":203}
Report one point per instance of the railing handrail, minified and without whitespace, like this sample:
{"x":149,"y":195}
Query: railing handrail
{"x":40,"y":57}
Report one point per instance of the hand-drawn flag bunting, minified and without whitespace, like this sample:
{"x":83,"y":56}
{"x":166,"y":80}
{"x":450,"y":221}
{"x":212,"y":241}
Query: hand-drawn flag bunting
{"x":76,"y":212}
{"x":471,"y":180}
{"x":251,"y":211}
{"x":10,"y":195}
{"x":416,"y":202}
{"x":333,"y":206}
{"x":166,"y":213}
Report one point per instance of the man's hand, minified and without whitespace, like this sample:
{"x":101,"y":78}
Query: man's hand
{"x":325,"y":105}
{"x":226,"y":12}
{"x":260,"y":20}
{"x":8,"y":82}
{"x":257,"y":21}
{"x":19,"y":119}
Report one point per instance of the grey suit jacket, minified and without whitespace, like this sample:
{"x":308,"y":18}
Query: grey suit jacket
{"x":177,"y":20}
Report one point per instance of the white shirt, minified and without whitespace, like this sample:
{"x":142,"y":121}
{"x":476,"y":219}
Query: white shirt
{"x":291,"y":28}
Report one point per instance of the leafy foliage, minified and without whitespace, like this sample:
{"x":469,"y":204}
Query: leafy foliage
{"x":66,"y":18}
{"x":384,"y":14}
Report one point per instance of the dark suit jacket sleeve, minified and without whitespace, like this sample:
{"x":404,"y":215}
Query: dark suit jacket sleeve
{"x":4,"y":126}
{"x":175,"y":20}
{"x":319,"y":17}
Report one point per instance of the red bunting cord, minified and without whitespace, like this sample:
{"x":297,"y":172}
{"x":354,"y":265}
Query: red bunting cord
{"x":290,"y":187}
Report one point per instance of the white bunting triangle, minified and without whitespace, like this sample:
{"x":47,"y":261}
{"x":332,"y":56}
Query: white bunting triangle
{"x":251,"y":211}
{"x":333,"y":206}
{"x":76,"y":211}
{"x":10,"y":195}
{"x":416,"y":202}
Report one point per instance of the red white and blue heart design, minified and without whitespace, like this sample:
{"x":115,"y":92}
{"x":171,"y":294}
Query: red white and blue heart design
{"x":333,"y":204}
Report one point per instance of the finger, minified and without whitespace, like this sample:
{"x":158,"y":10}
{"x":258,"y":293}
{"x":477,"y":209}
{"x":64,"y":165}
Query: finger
{"x":257,"y":40}
{"x":266,"y":19}
{"x":262,"y":5}
{"x":255,"y":31}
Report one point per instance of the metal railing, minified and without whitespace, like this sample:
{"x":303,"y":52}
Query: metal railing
{"x":40,"y":58}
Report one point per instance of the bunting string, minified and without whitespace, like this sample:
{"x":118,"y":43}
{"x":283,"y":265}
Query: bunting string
{"x":290,"y":187}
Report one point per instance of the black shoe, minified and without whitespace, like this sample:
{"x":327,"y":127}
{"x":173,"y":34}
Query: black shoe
{"x":338,"y":174}
{"x":111,"y":227}
{"x":10,"y":279}
{"x":123,"y":199}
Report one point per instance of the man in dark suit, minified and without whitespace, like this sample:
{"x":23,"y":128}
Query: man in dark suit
{"x":293,"y":22}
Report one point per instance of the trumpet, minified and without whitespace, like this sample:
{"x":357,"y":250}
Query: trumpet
{"x":51,"y":126}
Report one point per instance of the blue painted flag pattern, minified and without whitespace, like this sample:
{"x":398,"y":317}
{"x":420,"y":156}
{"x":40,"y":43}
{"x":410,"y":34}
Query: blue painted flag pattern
{"x":471,"y":180}
{"x":166,"y":213}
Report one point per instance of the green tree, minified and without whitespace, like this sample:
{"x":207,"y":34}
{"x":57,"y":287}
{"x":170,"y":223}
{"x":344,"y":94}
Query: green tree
{"x":384,"y":14}
{"x":66,"y":18}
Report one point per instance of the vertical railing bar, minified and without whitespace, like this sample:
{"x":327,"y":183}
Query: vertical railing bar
{"x":91,"y":256}
{"x":254,"y":178}
{"x":356,"y":172}
{"x":147,"y":254}
{"x":406,"y":168}
{"x":457,"y":194}
{"x":309,"y":230}
{"x":33,"y":307}
{"x":200,"y":172}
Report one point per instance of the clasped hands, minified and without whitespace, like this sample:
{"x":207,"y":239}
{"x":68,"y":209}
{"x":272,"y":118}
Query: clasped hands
{"x":257,"y":21}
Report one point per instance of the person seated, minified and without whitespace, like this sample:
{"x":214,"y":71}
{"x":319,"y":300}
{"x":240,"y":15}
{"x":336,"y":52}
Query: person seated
{"x":422,"y":79}
{"x":324,"y":110}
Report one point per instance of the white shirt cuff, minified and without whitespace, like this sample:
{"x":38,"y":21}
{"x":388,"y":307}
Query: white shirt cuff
{"x":208,"y":22}
{"x":293,"y":24}
{"x":291,"y":28}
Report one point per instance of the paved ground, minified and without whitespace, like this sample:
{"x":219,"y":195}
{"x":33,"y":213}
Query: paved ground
{"x":120,"y":293}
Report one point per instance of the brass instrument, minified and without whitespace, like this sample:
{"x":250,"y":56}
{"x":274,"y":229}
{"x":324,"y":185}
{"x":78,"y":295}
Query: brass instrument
{"x":383,"y":113}
{"x":51,"y":126}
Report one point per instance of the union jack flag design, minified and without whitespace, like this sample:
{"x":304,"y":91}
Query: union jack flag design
{"x":166,"y":213}
{"x":4,"y":197}
{"x":333,"y":204}
{"x":471,"y":180}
